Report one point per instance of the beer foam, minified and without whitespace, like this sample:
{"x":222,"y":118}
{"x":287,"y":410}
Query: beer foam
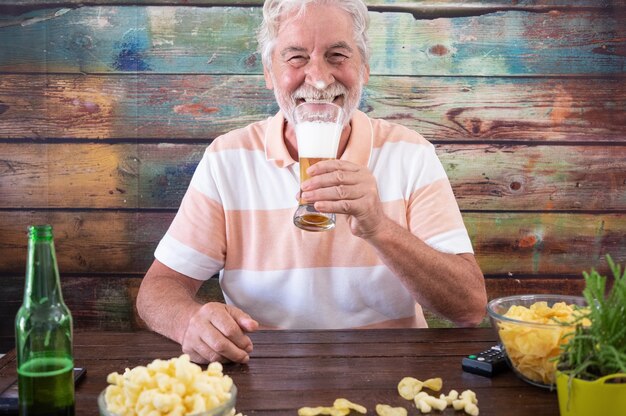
{"x":318,"y":139}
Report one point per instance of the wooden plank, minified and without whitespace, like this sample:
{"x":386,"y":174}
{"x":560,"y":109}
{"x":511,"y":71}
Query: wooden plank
{"x":221,"y":40}
{"x":484,"y":177}
{"x":547,"y":178}
{"x":104,"y":302}
{"x":545,"y":243}
{"x":511,"y":244}
{"x":200,"y":107}
{"x":87,"y":241}
{"x":69,"y":175}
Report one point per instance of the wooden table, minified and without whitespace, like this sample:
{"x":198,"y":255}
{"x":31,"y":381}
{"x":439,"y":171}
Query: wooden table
{"x":291,"y":369}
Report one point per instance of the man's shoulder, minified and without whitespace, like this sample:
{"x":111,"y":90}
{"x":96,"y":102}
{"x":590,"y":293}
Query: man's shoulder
{"x":250,"y":137}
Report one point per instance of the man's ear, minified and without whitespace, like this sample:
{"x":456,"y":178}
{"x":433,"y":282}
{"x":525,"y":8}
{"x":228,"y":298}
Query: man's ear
{"x":268,"y":79}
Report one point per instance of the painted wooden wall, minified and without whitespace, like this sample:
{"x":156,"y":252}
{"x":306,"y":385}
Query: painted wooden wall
{"x":106,"y":107}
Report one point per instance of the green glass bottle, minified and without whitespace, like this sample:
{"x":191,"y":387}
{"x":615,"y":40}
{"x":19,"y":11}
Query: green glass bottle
{"x":43,"y":334}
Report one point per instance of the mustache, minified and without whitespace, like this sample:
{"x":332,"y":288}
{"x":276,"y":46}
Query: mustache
{"x":329,"y":93}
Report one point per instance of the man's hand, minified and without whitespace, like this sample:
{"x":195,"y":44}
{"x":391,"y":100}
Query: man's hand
{"x":343,"y":187}
{"x":216,"y":332}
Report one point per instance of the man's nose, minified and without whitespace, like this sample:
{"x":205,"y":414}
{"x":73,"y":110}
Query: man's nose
{"x":319,"y":74}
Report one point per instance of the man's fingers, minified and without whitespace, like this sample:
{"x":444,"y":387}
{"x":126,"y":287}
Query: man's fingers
{"x":230,"y":326}
{"x":199,"y":352}
{"x":222,"y":347}
{"x":214,"y":334}
{"x":330,"y":179}
{"x":332,"y":165}
{"x":244,"y":320}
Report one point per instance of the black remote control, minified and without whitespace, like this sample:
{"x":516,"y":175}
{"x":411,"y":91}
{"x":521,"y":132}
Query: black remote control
{"x":486,"y":363}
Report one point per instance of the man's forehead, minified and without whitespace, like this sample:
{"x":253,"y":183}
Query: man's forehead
{"x":299,"y":22}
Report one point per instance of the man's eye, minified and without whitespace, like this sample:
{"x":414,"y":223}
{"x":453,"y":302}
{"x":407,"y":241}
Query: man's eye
{"x":297,"y":60}
{"x":337,"y":58}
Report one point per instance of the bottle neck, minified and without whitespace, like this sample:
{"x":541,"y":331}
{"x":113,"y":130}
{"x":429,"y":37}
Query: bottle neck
{"x":42,"y":274}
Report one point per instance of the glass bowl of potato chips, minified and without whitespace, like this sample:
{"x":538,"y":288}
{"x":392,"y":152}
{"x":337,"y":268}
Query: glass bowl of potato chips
{"x":174,"y":386}
{"x":532,"y":328}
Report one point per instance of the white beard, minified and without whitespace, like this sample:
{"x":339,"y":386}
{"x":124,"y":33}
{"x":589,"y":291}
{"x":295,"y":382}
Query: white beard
{"x":287,"y":102}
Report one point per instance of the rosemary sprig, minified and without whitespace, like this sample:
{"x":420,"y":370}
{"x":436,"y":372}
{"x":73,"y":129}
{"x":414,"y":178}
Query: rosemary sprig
{"x":600,"y":349}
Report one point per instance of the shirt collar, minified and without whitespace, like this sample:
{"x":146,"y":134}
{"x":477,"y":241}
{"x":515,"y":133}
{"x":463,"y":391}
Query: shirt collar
{"x":358,"y":150}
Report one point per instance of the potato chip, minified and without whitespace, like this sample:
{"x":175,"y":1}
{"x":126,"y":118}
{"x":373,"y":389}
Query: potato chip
{"x":341,"y":407}
{"x":386,"y":410}
{"x":322,"y":410}
{"x":347,"y":404}
{"x":434,"y":384}
{"x":408,"y":387}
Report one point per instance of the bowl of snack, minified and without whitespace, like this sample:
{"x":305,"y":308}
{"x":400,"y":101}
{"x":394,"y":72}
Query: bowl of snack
{"x":174,"y":386}
{"x":532,"y":328}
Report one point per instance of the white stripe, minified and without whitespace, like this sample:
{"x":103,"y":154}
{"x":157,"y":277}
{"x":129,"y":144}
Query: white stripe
{"x":244,"y":180}
{"x":317,"y":298}
{"x":260,"y":185}
{"x":455,"y":241}
{"x":185,"y":259}
{"x":402,"y":167}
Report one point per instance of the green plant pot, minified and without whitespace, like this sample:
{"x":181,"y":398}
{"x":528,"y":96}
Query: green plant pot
{"x":584,"y":398}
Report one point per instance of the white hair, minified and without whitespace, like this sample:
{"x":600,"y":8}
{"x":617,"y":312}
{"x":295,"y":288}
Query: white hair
{"x":274,"y":9}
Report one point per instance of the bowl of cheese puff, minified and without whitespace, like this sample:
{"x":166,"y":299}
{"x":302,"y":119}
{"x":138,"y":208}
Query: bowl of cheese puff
{"x":532,"y":328}
{"x":165,"y":387}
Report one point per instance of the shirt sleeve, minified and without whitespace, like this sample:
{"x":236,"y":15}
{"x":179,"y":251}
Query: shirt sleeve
{"x":195,"y":243}
{"x":433,"y":212}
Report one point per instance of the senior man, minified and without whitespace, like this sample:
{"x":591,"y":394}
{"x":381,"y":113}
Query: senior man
{"x":399,"y":244}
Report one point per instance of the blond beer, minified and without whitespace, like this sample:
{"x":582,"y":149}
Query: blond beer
{"x":311,"y":220}
{"x":305,"y":163}
{"x":317,"y":133}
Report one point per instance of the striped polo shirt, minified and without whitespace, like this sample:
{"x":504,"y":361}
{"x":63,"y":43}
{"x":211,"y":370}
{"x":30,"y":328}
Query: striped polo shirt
{"x":236,"y":219}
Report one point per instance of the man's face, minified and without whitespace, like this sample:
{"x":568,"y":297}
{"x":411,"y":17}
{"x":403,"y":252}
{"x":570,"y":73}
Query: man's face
{"x":315,"y":58}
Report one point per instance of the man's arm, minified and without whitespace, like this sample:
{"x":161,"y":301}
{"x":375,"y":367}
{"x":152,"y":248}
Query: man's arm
{"x":448,"y":284}
{"x":210,"y":332}
{"x":451,"y":285}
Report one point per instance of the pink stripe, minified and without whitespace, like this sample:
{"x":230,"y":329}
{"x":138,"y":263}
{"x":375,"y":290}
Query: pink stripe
{"x":248,"y":138}
{"x":199,"y":225}
{"x":254,"y":234}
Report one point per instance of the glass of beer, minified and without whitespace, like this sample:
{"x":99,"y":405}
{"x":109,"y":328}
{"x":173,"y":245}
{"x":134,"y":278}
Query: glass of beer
{"x":318,"y":129}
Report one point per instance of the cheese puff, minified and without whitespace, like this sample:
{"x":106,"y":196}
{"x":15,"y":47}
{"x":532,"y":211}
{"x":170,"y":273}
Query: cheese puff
{"x":195,"y":402}
{"x":469,"y":395}
{"x":166,"y":402}
{"x":452,"y":396}
{"x":115,"y":378}
{"x":425,"y":403}
{"x":215,"y":369}
{"x":148,"y":412}
{"x":184,"y":370}
{"x":159,"y":366}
